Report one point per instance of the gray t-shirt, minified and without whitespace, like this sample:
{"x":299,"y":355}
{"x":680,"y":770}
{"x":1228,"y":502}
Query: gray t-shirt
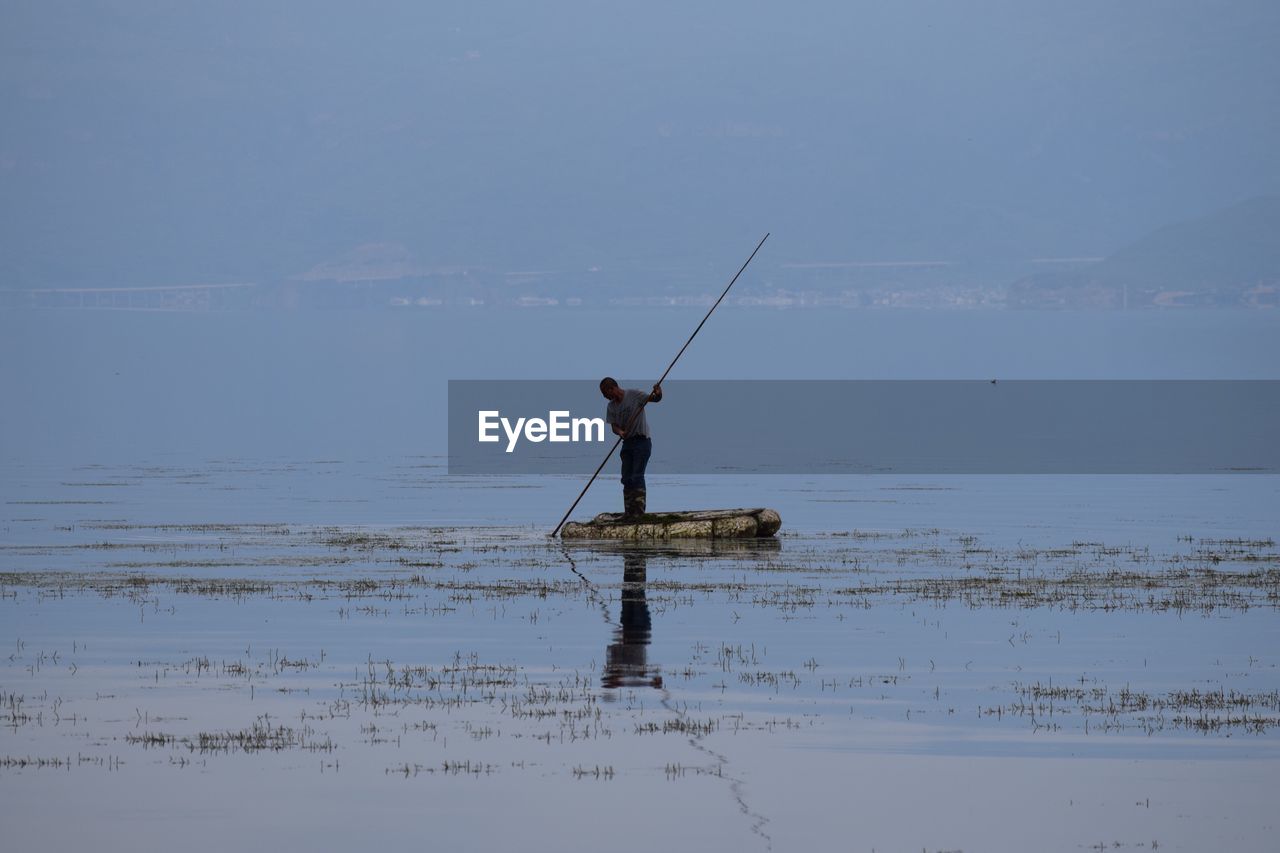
{"x":620,"y":414}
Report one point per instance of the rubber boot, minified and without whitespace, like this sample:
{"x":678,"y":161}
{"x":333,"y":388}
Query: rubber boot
{"x":637,"y":503}
{"x":628,"y":502}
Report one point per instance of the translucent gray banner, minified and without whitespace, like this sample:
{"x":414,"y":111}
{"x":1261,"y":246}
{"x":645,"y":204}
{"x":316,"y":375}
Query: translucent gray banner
{"x":876,"y":427}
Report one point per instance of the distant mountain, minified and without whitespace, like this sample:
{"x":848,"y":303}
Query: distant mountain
{"x":1231,"y":257}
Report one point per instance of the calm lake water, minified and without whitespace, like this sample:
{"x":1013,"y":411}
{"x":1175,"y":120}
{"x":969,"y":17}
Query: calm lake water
{"x":245,"y":605}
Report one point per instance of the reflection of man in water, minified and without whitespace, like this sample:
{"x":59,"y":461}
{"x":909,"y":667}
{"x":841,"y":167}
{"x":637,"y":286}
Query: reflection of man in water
{"x":626,"y":662}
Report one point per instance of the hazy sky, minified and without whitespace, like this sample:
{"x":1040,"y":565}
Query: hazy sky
{"x":161,"y":142}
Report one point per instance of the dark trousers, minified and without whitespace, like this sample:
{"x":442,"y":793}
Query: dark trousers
{"x":635,"y":457}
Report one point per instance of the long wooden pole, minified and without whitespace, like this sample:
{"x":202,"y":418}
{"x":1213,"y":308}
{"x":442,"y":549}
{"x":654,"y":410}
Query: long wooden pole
{"x":636,"y":416}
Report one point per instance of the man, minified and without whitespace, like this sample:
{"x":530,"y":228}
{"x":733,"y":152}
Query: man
{"x":625,"y":414}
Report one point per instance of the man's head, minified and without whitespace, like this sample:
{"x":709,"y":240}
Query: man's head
{"x":609,"y":388}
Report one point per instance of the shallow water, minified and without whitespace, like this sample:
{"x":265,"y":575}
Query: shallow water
{"x":237,"y":610}
{"x":323,"y":652}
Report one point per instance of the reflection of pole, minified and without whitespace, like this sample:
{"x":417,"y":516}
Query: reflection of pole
{"x":592,"y":592}
{"x":659,"y":382}
{"x":627,"y":658}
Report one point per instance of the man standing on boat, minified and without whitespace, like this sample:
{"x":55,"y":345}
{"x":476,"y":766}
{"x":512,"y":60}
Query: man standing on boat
{"x":625,"y":414}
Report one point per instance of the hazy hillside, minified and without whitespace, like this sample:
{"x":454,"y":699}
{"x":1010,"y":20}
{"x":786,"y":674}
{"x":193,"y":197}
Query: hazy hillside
{"x":1231,"y":257}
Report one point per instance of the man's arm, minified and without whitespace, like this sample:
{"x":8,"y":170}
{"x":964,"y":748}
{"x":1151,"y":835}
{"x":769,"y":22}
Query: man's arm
{"x":619,"y":429}
{"x":654,"y":397}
